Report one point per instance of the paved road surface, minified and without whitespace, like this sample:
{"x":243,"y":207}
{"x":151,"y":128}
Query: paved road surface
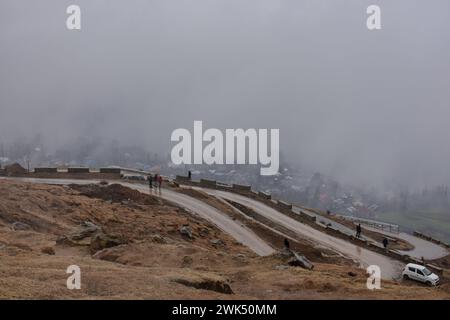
{"x":336,"y":225}
{"x":422,"y":248}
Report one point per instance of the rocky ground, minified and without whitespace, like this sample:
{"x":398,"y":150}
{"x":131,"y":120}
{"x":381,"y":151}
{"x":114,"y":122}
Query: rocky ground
{"x":134,"y":246}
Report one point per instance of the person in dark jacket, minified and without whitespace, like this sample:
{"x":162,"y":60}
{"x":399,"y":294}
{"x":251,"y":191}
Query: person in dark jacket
{"x":150,"y":182}
{"x":385,"y":243}
{"x":189,"y":174}
{"x":358,"y":230}
{"x":286,"y":243}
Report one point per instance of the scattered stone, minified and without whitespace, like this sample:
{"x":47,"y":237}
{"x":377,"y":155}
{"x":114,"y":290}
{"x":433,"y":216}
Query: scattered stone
{"x":48,"y":250}
{"x":186,"y":231}
{"x":107,"y":255}
{"x":204,"y":232}
{"x":187,"y":261}
{"x":66,"y":240}
{"x":87,"y":229}
{"x":352,"y":274}
{"x":20,"y":226}
{"x":100,"y":241}
{"x":63,"y":240}
{"x":158,"y":239}
{"x":217,"y":242}
{"x":281,"y":267}
{"x":283,"y":254}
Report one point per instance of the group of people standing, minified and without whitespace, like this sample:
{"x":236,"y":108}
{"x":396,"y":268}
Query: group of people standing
{"x":157,"y":179}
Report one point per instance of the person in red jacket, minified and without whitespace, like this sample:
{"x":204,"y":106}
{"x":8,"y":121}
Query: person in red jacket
{"x":160,"y":180}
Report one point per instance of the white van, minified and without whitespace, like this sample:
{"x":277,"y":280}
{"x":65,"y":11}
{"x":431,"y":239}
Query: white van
{"x":420,"y":273}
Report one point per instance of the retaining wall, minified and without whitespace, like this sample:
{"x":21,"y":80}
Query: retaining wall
{"x":80,"y":175}
{"x":305,"y":215}
{"x":78,"y":170}
{"x":182,"y":178}
{"x":45,"y":170}
{"x":284,"y":205}
{"x":208,"y":183}
{"x":264,"y":195}
{"x":110,"y":170}
{"x":431,"y":239}
{"x":241,"y":187}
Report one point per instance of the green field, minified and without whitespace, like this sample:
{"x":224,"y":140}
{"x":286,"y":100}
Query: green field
{"x":435,"y":223}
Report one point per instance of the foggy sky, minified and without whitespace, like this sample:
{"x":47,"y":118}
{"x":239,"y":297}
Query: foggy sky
{"x":364,"y":106}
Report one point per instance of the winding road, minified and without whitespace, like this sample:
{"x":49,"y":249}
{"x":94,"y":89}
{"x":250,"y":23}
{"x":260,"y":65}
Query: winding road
{"x":239,"y":232}
{"x":390,"y":268}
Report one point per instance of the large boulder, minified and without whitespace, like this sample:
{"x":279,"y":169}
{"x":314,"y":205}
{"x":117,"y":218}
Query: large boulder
{"x":82,"y":237}
{"x":298,"y":260}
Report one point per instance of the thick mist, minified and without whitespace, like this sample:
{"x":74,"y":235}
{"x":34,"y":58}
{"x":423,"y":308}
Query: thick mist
{"x":365,"y":106}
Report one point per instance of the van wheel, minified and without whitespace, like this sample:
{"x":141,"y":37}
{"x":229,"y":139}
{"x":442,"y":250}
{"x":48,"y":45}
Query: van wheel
{"x":428,"y":283}
{"x":405,"y":277}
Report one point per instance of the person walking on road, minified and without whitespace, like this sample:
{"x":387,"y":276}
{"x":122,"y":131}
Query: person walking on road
{"x":160,"y":180}
{"x":189,"y":174}
{"x":385,"y":243}
{"x":358,"y":231}
{"x":286,"y":243}
{"x":150,"y":182}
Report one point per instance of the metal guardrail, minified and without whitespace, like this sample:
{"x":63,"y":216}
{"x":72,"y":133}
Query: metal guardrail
{"x":384,"y":226}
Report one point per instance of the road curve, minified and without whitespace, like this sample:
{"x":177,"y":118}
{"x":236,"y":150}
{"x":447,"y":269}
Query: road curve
{"x":390,"y":268}
{"x":422,"y":248}
{"x":223,"y":222}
